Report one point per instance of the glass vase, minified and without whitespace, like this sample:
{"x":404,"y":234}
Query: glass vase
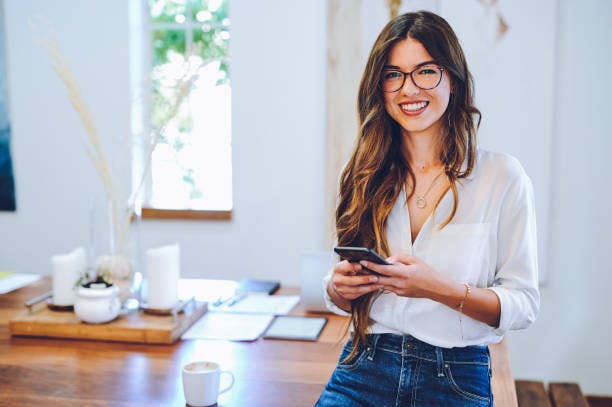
{"x":115,"y":248}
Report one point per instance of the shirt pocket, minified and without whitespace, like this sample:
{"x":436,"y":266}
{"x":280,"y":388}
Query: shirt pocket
{"x":461,"y":251}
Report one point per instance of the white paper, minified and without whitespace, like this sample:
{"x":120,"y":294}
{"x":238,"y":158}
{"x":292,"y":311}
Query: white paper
{"x":163,"y":273}
{"x":233,"y":327}
{"x":12,"y":281}
{"x":259,"y":304}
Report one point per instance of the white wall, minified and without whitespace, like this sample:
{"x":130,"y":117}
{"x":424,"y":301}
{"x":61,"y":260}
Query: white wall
{"x":278,"y":77}
{"x":54,"y":178}
{"x":571,"y":339}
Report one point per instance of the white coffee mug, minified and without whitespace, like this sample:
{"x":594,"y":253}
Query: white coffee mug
{"x":201,"y":383}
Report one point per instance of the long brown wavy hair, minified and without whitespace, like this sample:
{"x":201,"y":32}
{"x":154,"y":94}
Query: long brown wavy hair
{"x":372,"y":179}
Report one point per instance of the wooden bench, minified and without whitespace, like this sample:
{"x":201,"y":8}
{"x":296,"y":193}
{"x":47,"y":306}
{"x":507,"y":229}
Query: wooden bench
{"x":534,"y":394}
{"x":566,"y":395}
{"x":531,"y":394}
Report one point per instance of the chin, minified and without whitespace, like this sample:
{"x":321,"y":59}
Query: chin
{"x":417,"y":127}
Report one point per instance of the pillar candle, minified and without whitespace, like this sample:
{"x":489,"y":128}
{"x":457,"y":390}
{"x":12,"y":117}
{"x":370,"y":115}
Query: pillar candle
{"x":163,"y":273}
{"x":67,"y":269}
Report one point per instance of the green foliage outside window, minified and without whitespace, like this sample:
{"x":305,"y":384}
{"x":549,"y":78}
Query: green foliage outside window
{"x":208,"y":27}
{"x":185,"y":33}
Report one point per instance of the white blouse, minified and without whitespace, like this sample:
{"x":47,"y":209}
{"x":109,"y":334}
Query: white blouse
{"x":490,"y":243}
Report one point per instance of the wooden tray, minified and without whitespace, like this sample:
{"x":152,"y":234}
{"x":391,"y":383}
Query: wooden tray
{"x":133,"y":327}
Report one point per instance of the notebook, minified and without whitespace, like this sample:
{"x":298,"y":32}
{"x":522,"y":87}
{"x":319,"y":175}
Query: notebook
{"x":232,"y":327}
{"x":10,"y":281}
{"x":296,"y":328}
{"x":258,"y":304}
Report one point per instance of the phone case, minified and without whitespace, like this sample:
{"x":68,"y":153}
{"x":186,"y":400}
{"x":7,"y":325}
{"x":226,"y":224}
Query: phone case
{"x":356,"y":254}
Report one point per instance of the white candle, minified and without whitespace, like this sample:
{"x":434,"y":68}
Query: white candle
{"x":67,"y":269}
{"x":163,"y":273}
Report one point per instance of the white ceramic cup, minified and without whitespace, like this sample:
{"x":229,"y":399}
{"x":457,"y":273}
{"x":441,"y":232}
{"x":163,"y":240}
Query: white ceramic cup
{"x":201,"y":383}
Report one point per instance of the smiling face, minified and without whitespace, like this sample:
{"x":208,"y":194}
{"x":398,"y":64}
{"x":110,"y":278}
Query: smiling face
{"x":417,"y":111}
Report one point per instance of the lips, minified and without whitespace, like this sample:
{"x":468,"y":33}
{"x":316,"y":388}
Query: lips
{"x":414,"y":108}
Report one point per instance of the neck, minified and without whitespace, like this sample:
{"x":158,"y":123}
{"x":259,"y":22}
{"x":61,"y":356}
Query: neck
{"x":421,"y":151}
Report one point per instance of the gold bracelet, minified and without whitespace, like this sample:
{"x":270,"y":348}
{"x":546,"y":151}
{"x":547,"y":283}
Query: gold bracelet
{"x":468,"y":290}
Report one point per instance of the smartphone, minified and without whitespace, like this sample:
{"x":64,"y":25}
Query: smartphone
{"x":356,"y":254}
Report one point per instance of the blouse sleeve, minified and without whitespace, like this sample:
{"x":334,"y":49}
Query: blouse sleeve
{"x":328,"y":302}
{"x":516,"y":278}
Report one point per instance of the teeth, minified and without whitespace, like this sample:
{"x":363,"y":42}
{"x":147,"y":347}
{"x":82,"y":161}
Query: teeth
{"x":414,"y":106}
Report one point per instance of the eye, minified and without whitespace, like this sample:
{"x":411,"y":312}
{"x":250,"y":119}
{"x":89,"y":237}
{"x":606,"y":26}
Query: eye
{"x":428,"y":70}
{"x":391,"y":75}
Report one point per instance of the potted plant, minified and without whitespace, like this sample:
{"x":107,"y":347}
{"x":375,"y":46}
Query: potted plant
{"x":97,"y":300}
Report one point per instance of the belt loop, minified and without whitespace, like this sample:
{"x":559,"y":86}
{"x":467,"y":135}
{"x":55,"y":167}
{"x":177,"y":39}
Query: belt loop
{"x":371,"y":349}
{"x":440,"y":361}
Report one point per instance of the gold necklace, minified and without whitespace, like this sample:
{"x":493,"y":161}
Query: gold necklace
{"x":423,"y":168}
{"x":421,"y":202}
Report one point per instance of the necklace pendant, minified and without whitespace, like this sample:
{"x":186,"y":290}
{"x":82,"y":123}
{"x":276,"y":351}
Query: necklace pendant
{"x":421,"y":203}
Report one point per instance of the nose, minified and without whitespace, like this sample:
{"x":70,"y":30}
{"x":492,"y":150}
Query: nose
{"x":409,"y":87}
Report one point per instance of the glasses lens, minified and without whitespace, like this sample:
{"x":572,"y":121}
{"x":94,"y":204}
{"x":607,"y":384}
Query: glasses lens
{"x":427,"y":77}
{"x":392,"y":80}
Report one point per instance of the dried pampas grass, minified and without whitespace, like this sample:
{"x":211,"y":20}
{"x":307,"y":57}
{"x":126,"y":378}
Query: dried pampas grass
{"x":121,"y":210}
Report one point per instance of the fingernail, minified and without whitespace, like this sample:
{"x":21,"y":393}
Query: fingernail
{"x":373,"y":279}
{"x":363,"y":263}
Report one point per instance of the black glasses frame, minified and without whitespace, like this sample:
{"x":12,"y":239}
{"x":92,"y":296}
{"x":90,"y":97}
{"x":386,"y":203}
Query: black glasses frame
{"x":405,"y":74}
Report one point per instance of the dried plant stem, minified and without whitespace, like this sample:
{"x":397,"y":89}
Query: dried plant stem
{"x":94,"y":147}
{"x":121,"y":212}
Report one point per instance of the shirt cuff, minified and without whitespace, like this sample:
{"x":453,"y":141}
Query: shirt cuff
{"x":516,"y":311}
{"x":328,"y":301}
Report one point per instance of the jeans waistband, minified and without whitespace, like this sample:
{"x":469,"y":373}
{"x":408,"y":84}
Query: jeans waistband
{"x":409,"y":345}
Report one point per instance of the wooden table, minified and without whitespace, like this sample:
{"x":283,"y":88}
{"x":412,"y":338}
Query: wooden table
{"x":61,"y":372}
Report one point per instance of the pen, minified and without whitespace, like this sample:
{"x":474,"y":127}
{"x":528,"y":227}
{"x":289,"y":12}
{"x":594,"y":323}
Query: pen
{"x":236,"y":300}
{"x":222,"y":300}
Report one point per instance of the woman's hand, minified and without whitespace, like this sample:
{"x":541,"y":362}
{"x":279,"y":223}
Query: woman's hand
{"x":350,"y":281}
{"x":408,"y":276}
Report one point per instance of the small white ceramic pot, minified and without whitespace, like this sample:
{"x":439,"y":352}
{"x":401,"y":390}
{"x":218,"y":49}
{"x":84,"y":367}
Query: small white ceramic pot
{"x":97,"y":304}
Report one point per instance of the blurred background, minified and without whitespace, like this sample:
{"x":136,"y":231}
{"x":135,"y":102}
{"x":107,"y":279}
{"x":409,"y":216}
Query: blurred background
{"x":255,"y":150}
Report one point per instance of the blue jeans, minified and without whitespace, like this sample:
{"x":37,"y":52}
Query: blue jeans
{"x":393,"y":370}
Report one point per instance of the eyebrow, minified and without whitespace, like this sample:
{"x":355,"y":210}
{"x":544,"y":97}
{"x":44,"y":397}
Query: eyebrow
{"x":417,"y":66}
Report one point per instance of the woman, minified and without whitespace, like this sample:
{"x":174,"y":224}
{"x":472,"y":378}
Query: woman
{"x":457,"y":223}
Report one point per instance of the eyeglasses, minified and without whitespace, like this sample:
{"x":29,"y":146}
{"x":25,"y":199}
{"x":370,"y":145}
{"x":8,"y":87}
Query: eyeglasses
{"x":425,"y":77}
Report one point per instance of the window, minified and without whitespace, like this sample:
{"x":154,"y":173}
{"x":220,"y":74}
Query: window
{"x":191,"y":164}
